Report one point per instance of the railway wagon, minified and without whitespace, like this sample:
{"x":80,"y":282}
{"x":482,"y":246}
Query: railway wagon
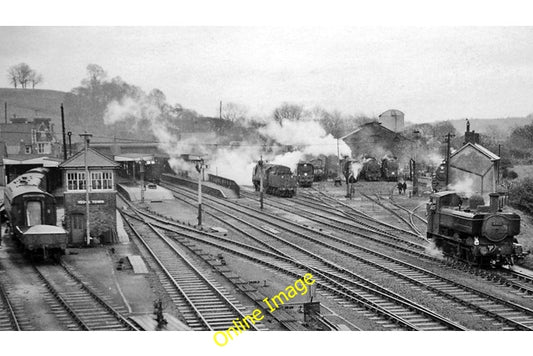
{"x":277,"y":180}
{"x":305,"y":174}
{"x":32,"y":214}
{"x":479,"y":234}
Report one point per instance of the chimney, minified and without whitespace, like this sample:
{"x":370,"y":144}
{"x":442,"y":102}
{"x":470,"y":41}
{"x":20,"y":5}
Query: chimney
{"x":494,"y":202}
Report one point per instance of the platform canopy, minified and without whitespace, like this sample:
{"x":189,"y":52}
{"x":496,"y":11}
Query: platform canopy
{"x":134,"y":157}
{"x":44,"y":161}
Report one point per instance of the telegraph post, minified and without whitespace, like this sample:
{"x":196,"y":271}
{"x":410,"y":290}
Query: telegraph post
{"x":86,"y":136}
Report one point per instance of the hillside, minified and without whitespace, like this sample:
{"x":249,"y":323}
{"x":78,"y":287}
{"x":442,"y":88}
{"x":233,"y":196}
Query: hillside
{"x":32,"y":103}
{"x":493,"y":126}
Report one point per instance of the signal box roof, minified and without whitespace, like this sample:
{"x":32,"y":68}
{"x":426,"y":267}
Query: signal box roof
{"x":94,"y":160}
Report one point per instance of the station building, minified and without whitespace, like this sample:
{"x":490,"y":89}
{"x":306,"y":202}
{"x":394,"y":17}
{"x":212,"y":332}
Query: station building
{"x":102,"y":197}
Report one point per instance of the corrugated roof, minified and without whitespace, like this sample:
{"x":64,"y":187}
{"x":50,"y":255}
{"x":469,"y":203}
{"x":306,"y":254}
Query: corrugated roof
{"x":94,"y":159}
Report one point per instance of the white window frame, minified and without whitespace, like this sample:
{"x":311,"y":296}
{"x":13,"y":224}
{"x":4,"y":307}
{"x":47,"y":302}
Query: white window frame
{"x":76,"y":181}
{"x":102,"y":181}
{"x":43,"y":148}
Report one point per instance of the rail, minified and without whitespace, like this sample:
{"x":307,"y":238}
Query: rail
{"x":225,"y":182}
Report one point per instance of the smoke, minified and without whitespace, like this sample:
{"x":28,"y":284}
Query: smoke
{"x":305,"y":138}
{"x":464,"y":186}
{"x":356,"y":167}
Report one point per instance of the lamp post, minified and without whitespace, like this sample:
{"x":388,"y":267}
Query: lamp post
{"x":86,"y":136}
{"x":415,"y":177}
{"x":141,"y":171}
{"x":261,"y":182}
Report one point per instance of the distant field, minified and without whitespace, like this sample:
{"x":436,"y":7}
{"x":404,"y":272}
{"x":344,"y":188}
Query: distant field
{"x":523,"y":171}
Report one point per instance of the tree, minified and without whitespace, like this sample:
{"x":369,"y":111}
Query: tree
{"x":35,"y":78}
{"x":20,"y":73}
{"x":288,"y":111}
{"x":234,"y":112}
{"x":96,"y":75}
{"x":333,"y":123}
{"x":12,"y":76}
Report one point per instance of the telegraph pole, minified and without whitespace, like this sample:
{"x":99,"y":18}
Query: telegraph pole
{"x":64,"y":137}
{"x":86,"y":136}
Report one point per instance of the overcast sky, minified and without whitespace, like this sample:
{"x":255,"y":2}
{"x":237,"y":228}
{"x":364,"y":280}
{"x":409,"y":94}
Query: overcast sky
{"x":430,"y":73}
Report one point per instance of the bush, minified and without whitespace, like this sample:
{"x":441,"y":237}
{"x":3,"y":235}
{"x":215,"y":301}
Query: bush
{"x":521,"y":195}
{"x":509,"y":174}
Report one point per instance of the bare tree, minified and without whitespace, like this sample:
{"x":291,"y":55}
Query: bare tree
{"x":12,"y":76}
{"x":234,"y":112}
{"x":334,"y":123}
{"x":288,"y":111}
{"x":35,"y":78}
{"x":21,"y":74}
{"x":96,"y":75}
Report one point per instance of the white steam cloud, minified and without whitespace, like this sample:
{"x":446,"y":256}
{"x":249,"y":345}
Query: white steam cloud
{"x":306,"y":137}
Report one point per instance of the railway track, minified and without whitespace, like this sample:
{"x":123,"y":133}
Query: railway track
{"x":496,"y":308}
{"x":330,"y":280}
{"x":76,"y":304}
{"x":516,"y":280}
{"x":204,"y":304}
{"x":319,"y":198}
{"x":8,"y":318}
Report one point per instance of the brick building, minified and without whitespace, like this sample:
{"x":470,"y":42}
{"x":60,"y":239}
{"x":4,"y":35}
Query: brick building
{"x":102,"y":197}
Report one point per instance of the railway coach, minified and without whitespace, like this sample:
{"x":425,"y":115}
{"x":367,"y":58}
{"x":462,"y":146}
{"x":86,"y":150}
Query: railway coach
{"x":31,"y":211}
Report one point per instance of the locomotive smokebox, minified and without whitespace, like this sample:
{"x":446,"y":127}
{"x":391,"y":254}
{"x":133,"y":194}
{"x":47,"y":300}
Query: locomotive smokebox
{"x":494,"y":202}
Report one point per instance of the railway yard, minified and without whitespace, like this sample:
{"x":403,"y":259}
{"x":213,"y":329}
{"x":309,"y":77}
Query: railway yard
{"x":373,"y":266}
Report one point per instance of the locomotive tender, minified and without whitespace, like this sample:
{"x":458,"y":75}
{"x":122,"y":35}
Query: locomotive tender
{"x":481,"y":235}
{"x":277,"y":180}
{"x":32,"y":214}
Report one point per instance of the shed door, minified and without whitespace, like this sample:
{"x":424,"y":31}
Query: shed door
{"x":77,"y":228}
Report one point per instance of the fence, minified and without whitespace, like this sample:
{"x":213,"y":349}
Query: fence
{"x":225,"y":182}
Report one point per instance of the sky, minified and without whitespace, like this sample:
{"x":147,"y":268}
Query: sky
{"x":429,"y":73}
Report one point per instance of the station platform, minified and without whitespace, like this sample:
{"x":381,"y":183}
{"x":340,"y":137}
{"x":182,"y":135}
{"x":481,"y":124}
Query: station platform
{"x":152,"y":193}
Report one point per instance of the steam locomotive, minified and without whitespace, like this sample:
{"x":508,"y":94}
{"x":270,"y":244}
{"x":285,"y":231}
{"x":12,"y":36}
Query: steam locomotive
{"x":305,"y":174}
{"x":277,"y":179}
{"x":389,"y":169}
{"x":371,"y":170}
{"x":481,"y":235}
{"x":438,"y":180}
{"x":31,"y":211}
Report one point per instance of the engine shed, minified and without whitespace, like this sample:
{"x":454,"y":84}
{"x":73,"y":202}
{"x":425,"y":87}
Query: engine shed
{"x":102,"y":197}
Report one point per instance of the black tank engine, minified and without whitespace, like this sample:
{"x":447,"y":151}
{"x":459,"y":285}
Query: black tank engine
{"x":479,"y":234}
